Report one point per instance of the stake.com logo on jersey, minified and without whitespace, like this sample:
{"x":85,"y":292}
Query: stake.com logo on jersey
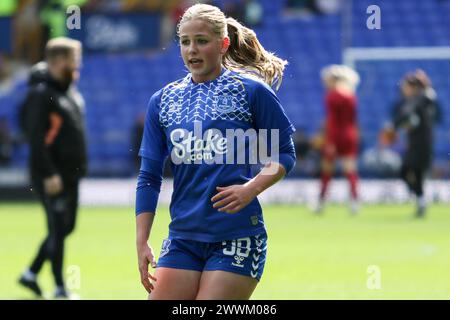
{"x":211,"y":147}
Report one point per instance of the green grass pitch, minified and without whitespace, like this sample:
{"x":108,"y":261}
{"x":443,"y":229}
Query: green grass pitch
{"x":309,"y":257}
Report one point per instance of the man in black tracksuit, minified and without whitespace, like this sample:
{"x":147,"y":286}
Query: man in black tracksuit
{"x":52,"y":117}
{"x":417,"y":112}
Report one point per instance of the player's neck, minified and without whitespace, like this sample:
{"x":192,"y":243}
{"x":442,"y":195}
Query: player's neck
{"x":209,"y":77}
{"x":344,"y":89}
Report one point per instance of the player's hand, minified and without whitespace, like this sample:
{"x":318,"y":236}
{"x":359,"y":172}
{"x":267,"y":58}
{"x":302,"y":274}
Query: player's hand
{"x":53,"y":185}
{"x":233,"y":198}
{"x":146,"y":257}
{"x":388,"y":136}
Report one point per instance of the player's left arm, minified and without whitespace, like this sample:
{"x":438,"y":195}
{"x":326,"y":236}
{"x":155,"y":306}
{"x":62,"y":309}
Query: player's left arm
{"x":267,"y":114}
{"x":233,"y":198}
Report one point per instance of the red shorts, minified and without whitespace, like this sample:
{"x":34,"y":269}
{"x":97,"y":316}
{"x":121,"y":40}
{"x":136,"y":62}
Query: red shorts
{"x":340,"y":149}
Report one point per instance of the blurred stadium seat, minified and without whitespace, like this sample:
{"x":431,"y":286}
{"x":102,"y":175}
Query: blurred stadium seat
{"x":117,"y":87}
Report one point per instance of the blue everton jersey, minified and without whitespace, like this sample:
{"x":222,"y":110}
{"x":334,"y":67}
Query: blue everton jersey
{"x":200,"y":127}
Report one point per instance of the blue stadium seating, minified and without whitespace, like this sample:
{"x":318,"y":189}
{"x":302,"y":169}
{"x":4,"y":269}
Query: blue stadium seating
{"x":117,"y":87}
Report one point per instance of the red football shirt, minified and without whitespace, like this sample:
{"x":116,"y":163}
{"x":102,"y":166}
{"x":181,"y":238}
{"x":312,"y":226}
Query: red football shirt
{"x":341,"y":123}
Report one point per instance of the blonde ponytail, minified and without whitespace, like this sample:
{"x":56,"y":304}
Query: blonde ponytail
{"x":245,"y":54}
{"x":248,"y":55}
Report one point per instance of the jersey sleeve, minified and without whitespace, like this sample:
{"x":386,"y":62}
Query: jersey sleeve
{"x":153,"y":145}
{"x":148,"y":185}
{"x":267,"y":112}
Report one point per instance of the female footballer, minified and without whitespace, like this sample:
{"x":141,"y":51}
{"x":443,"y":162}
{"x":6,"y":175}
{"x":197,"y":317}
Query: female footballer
{"x":417,"y":112}
{"x":341,"y":132}
{"x":216,"y":247}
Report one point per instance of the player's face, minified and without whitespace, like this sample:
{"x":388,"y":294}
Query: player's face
{"x":329,"y":83}
{"x":201,"y":50}
{"x":407,"y":90}
{"x":65,"y":69}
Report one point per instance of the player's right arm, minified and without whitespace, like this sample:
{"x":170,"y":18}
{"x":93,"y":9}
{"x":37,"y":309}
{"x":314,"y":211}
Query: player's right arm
{"x":153,"y":151}
{"x":147,"y":192}
{"x":144,"y":222}
{"x":37,"y":121}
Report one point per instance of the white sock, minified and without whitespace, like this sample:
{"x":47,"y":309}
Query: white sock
{"x":354,"y":205}
{"x":29,"y":275}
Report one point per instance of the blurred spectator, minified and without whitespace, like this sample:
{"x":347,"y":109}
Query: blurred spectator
{"x":7,"y":10}
{"x":328,"y":6}
{"x":249,"y":12}
{"x":253,"y":13}
{"x":305,"y":7}
{"x":54,"y":125}
{"x":6,"y":142}
{"x":5,"y":67}
{"x":28,"y":32}
{"x":300,"y":6}
{"x":53,"y":16}
{"x":308,"y":154}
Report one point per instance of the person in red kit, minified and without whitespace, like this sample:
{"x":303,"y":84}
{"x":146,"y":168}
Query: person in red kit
{"x":341,"y":131}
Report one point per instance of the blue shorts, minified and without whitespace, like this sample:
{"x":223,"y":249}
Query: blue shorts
{"x":245,"y":256}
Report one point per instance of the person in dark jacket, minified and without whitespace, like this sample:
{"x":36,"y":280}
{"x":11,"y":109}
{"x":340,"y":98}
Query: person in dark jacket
{"x":52,"y":118}
{"x":416,"y":113}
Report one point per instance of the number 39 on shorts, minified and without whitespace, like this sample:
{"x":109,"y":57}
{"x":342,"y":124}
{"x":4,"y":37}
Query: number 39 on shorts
{"x":240,"y":247}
